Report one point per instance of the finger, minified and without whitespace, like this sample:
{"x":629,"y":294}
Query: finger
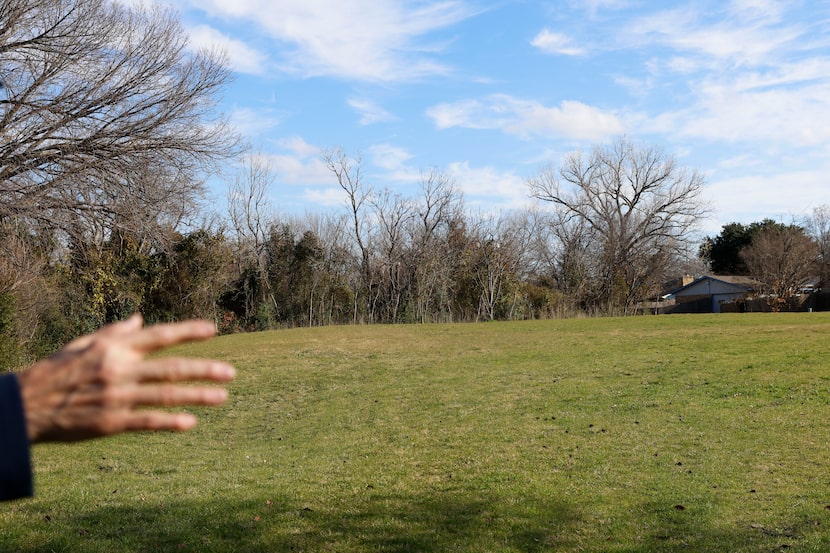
{"x":181,"y":369}
{"x":158,"y":420}
{"x":153,"y":338}
{"x":172,"y":396}
{"x":120,"y":328}
{"x":118,"y":421}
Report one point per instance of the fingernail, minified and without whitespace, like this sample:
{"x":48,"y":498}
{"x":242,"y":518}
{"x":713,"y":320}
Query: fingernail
{"x":186,"y":421}
{"x":227,"y":372}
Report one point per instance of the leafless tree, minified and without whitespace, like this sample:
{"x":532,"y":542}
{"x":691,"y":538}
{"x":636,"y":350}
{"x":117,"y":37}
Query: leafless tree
{"x":393,"y":213}
{"x":440,"y":201}
{"x":782,"y":258}
{"x":334,"y":270}
{"x":249,"y":207}
{"x":565,"y":254}
{"x":432,"y":261}
{"x":347,"y":171}
{"x":818,"y":227}
{"x":499,"y":248}
{"x":105,"y":115}
{"x":637,"y":202}
{"x":23,"y":257}
{"x":251,"y":216}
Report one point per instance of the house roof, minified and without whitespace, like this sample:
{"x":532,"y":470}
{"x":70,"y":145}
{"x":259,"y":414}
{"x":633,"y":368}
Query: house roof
{"x":741,"y":280}
{"x":732,"y":283}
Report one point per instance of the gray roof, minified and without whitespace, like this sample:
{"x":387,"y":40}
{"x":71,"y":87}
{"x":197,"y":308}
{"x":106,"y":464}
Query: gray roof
{"x":739,"y":282}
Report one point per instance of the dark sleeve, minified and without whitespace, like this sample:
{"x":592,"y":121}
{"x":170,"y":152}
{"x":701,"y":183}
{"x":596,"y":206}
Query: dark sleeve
{"x":15,"y":463}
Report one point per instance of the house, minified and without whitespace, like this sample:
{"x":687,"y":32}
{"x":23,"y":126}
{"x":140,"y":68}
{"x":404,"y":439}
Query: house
{"x":705,"y":294}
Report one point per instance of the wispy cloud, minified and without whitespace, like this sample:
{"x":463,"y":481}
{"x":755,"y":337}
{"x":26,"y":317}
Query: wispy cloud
{"x":749,"y":73}
{"x":331,"y":196}
{"x":481,"y":185}
{"x":241,"y":57}
{"x":730,"y":42}
{"x":780,"y":116}
{"x":371,"y":40}
{"x":595,"y":6}
{"x":742,"y":198}
{"x":298,"y":162}
{"x":370,"y":112}
{"x":758,"y":10}
{"x":254,"y":122}
{"x":527,"y":118}
{"x":299,"y":147}
{"x":556,"y":43}
{"x":394,"y":160}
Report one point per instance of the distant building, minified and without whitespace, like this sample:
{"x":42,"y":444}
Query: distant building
{"x":705,"y":294}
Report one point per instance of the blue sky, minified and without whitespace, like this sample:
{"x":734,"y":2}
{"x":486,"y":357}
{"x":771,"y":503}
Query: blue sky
{"x":490,"y":91}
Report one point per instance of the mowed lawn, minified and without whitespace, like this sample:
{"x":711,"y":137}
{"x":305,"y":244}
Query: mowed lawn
{"x":669,"y":433}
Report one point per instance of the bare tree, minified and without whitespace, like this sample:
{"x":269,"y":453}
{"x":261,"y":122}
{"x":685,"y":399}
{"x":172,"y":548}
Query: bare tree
{"x":251,"y":216}
{"x":104,"y":114}
{"x":249,"y":207}
{"x":637,"y":202}
{"x":499,"y":245}
{"x":347,"y":171}
{"x":818,"y":227}
{"x":393,"y":213}
{"x":432,"y":260}
{"x":565,"y":255}
{"x":23,"y":258}
{"x":781,"y":258}
{"x":440,"y":202}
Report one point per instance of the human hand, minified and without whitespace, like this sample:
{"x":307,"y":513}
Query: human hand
{"x":95,"y":385}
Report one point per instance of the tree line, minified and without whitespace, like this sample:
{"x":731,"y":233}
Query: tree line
{"x":382,"y":258}
{"x":108,"y":126}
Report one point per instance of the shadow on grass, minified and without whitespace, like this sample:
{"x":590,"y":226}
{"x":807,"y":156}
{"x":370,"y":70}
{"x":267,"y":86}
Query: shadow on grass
{"x":386,"y":523}
{"x":668,"y":528}
{"x":374,"y":523}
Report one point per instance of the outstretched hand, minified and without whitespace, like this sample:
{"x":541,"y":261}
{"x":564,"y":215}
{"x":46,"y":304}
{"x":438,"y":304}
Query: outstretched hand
{"x":97,"y":384}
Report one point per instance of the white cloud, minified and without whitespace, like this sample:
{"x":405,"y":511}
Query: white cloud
{"x":299,"y":162}
{"x":751,"y":74}
{"x":556,"y":43}
{"x":723,"y":40}
{"x":391,"y":158}
{"x":638,"y":87}
{"x":791,"y":117}
{"x":251,"y":122}
{"x":527,"y":118}
{"x":594,"y":5}
{"x":489,"y":185}
{"x":327,"y":197}
{"x":784,"y":106}
{"x":299,"y":146}
{"x":781,"y":196}
{"x":370,"y":112}
{"x":241,"y":57}
{"x":294,"y":170}
{"x":755,"y":10}
{"x":373,"y":40}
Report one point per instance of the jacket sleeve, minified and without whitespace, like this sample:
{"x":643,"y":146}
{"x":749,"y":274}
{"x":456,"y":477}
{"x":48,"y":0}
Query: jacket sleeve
{"x":15,"y":461}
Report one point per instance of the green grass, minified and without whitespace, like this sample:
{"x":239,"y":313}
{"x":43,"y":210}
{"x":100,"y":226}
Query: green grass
{"x":671,"y":433}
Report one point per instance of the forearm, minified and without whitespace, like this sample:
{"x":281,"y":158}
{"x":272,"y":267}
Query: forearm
{"x":15,"y":462}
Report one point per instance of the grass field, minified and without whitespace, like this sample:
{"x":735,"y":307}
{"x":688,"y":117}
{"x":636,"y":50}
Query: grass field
{"x":670,"y":433}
